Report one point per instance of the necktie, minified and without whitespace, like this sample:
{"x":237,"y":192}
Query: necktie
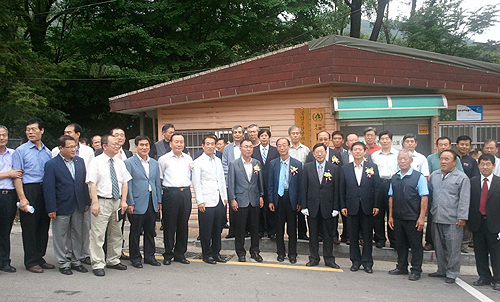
{"x":114,"y":181}
{"x":264,"y":155}
{"x":320,"y":173}
{"x":282,"y":179}
{"x":484,"y":196}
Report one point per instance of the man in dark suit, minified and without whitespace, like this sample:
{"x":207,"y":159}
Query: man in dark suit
{"x":333,"y":156}
{"x":264,"y":153}
{"x":66,"y":199}
{"x":359,"y":186}
{"x":320,"y":201}
{"x":347,"y":157}
{"x":144,"y":201}
{"x":484,"y":221}
{"x":285,"y":175}
{"x":245,"y":190}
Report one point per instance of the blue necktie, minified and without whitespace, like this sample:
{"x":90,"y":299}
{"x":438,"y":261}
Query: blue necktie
{"x":281,"y":184}
{"x":264,"y":155}
{"x":114,"y":181}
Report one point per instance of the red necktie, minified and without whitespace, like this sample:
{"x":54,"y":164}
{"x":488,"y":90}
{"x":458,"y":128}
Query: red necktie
{"x":484,"y":196}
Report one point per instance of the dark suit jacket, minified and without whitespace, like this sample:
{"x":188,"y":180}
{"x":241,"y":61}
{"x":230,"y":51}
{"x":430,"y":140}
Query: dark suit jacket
{"x":353,"y":196}
{"x":492,"y":205}
{"x":313,"y":193}
{"x":128,"y":153}
{"x":345,"y":157}
{"x":331,"y":155}
{"x":245,"y":192}
{"x":62,"y":193}
{"x":271,"y":154}
{"x":294,"y":181}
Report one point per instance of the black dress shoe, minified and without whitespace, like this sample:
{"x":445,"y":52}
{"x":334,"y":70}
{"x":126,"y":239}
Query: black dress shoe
{"x":182,"y":260}
{"x":379,"y":245}
{"x":198,"y":238}
{"x":65,"y":271}
{"x":256,"y":257}
{"x":229,"y":236}
{"x":414,"y":277}
{"x":247,"y":235}
{"x":98,"y":272}
{"x":137,"y":265}
{"x":293,"y":259}
{"x":369,"y":270}
{"x":428,"y":247}
{"x":220,"y":259}
{"x":481,"y":282}
{"x":336,"y":241}
{"x":332,"y":265}
{"x":152,"y":262}
{"x":261,"y":235}
{"x":354,"y":268}
{"x":303,"y":237}
{"x":79,"y":268}
{"x":272,"y":237}
{"x":242,"y":259}
{"x":209,"y":260}
{"x":496,"y":286}
{"x":119,"y":266}
{"x":449,"y":280}
{"x":436,"y":275}
{"x":312,"y":263}
{"x":48,"y":266}
{"x":86,"y":260}
{"x":124,"y":257}
{"x":167,"y":261}
{"x":280,"y":258}
{"x":397,"y":271}
{"x":9,"y":268}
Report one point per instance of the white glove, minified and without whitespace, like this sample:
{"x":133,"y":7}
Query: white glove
{"x":335,"y":213}
{"x":305,"y":212}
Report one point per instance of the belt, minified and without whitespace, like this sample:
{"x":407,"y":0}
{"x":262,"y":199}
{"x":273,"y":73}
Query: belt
{"x":386,"y":179}
{"x":483,"y":217}
{"x":106,"y":197}
{"x":7,"y":191}
{"x":180,"y":189}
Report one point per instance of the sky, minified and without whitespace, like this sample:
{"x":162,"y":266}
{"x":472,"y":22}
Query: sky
{"x":399,"y":7}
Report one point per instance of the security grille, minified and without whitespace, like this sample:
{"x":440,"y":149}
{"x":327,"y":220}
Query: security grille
{"x":194,"y":138}
{"x":478,"y":132}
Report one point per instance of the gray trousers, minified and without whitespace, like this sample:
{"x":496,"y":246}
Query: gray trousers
{"x":65,"y":226}
{"x":85,"y":237}
{"x":447,"y":243}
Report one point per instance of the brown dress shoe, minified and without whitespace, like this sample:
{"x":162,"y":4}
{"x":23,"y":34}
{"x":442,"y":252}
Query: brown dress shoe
{"x":36,"y":269}
{"x":48,"y":266}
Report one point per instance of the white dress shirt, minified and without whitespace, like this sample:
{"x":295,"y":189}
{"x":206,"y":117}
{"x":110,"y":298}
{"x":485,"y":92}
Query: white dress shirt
{"x":145,"y":165}
{"x":262,"y":152}
{"x":300,"y":153}
{"x":85,"y":152}
{"x":175,"y":171}
{"x":387,"y":162}
{"x":248,"y":168}
{"x":208,"y":180}
{"x":237,"y":152}
{"x":420,"y":164}
{"x":358,"y":171}
{"x":496,"y":171}
{"x":489,"y":178}
{"x":99,"y":174}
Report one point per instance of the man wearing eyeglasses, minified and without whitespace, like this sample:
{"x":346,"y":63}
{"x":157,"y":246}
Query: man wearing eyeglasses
{"x":67,"y":199}
{"x":491,"y":147}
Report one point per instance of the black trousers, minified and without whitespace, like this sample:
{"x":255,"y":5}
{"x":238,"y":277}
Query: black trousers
{"x":379,"y":220}
{"x":240,"y":219}
{"x":486,"y":243}
{"x":138,"y":223}
{"x":210,"y":224}
{"x":364,"y":223}
{"x":285,"y":214}
{"x":428,"y":229}
{"x":35,"y":226}
{"x":407,"y":236}
{"x":8,"y":208}
{"x":301,"y":225}
{"x":267,"y":219}
{"x":315,"y":224}
{"x":345,"y":228}
{"x":176,"y":209}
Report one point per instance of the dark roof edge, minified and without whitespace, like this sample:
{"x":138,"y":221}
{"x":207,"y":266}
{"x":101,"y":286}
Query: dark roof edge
{"x":404,"y":52}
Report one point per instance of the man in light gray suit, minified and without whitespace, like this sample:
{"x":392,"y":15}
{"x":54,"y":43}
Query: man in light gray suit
{"x":246,"y":191}
{"x":144,"y":201}
{"x":231,"y":152}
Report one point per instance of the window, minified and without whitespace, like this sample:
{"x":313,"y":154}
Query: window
{"x":478,"y":132}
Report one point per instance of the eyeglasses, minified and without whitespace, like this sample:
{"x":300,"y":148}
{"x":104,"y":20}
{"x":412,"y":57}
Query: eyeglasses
{"x":71,"y":147}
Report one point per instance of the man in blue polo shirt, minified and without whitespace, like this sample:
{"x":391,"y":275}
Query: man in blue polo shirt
{"x":31,"y":158}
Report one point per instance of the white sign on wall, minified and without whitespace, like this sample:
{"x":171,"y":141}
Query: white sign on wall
{"x":469,"y":113}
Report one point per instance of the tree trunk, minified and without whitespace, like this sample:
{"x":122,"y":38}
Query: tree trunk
{"x":356,"y":18}
{"x":413,"y":7}
{"x":380,"y":19}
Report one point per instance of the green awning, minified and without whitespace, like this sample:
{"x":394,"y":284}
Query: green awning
{"x":389,"y":106}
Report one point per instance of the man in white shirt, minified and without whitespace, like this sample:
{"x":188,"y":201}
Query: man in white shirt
{"x":87,"y":154}
{"x":419,"y":163}
{"x":491,"y":147}
{"x":108,"y":182}
{"x":175,"y":172}
{"x":211,"y":196}
{"x":386,"y":160}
